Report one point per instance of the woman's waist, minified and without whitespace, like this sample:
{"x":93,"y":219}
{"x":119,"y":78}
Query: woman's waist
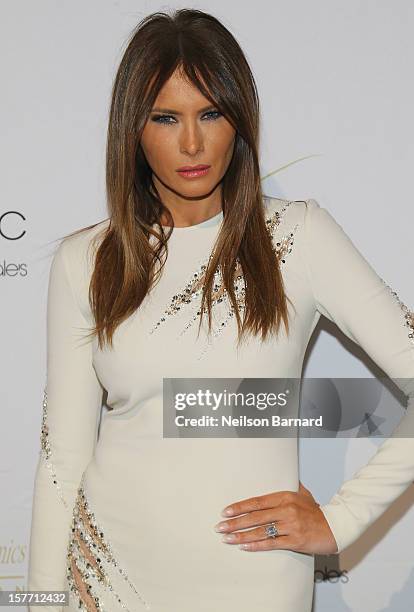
{"x":172,"y":470}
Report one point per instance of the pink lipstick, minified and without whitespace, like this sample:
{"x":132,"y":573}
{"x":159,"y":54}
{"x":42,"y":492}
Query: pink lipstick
{"x":193,"y":171}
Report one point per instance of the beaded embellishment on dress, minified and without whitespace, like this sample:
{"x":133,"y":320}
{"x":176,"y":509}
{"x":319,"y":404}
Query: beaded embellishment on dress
{"x":193,"y":288}
{"x":408,"y":314}
{"x":283,"y":248}
{"x":88,"y":552}
{"x":46,"y":450}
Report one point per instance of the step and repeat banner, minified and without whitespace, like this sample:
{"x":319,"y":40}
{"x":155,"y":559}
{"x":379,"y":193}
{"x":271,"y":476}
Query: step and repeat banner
{"x":336,"y":91}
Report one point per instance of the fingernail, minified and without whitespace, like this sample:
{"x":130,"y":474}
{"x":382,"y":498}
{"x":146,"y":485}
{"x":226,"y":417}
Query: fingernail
{"x":221,"y":526}
{"x":229,"y":537}
{"x":227,"y":512}
{"x":245,"y":546}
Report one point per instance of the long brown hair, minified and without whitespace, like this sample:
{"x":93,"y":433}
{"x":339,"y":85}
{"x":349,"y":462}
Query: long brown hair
{"x":125,"y":268}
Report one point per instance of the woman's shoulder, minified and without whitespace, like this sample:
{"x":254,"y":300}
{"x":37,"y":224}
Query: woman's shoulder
{"x":80,"y":246}
{"x":85,"y":235}
{"x":284,"y":212}
{"x":304,"y":223}
{"x":74,"y":257}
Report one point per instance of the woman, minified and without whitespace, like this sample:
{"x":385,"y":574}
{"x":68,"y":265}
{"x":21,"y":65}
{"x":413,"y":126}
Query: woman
{"x":196,"y":274}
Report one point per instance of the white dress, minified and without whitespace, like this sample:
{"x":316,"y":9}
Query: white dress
{"x":132,"y":514}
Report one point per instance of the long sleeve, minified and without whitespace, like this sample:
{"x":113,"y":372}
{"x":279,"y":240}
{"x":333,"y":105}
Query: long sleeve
{"x":349,"y":292}
{"x":68,"y":430}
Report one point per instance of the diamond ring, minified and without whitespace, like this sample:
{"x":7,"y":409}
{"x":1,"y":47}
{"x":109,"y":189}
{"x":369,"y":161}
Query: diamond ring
{"x":271,"y":530}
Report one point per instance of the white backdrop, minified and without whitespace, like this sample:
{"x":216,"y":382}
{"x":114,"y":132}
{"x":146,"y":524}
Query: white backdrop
{"x":336,"y":88}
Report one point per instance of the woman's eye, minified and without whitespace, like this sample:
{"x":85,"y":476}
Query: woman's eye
{"x":162,"y":118}
{"x":213,"y":115}
{"x":210,"y":116}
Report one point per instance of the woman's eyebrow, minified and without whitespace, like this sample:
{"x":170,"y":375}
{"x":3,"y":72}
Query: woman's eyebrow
{"x":174,"y":112}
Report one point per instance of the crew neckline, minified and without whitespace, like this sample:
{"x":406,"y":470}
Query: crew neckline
{"x":211,"y":222}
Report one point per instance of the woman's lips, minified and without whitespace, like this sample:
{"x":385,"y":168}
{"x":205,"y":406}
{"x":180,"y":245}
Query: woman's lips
{"x":194,"y":172}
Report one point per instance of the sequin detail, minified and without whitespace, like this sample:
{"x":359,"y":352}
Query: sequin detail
{"x":219,"y":294}
{"x":46,"y":448}
{"x":274,"y":220}
{"x":194,"y":287}
{"x":191,"y":291}
{"x":87,"y":550}
{"x":408,"y":314}
{"x":282,"y":249}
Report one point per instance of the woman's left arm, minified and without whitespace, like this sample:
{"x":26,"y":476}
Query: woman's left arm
{"x":348,"y":291}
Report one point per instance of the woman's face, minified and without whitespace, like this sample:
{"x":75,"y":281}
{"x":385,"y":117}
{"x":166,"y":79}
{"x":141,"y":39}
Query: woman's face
{"x":184,"y":129}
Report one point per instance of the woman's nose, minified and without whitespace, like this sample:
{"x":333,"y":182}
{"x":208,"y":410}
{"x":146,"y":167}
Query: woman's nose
{"x":191,"y":139}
